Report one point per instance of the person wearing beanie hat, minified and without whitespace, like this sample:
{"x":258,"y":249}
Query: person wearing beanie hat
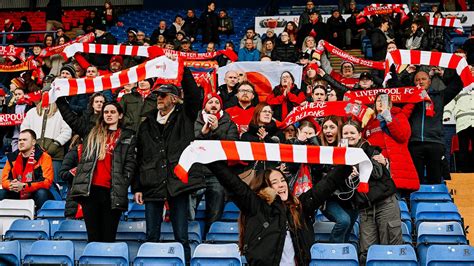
{"x":16,"y":83}
{"x":70,"y":71}
{"x":116,"y":63}
{"x":213,"y":124}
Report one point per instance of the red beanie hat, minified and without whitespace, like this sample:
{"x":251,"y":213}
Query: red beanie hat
{"x":209,"y":96}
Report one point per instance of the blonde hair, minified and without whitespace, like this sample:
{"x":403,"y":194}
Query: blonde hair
{"x":51,"y":109}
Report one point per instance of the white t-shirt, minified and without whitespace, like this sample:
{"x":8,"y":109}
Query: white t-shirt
{"x":288,"y":255}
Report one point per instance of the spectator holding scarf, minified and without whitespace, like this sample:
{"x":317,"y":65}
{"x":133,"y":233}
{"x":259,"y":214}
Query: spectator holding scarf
{"x":285,"y":96}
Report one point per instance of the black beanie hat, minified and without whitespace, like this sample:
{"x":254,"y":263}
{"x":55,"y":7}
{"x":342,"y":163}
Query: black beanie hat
{"x":69,"y":68}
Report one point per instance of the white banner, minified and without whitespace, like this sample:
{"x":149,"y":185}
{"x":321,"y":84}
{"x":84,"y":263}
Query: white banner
{"x":264,"y":75}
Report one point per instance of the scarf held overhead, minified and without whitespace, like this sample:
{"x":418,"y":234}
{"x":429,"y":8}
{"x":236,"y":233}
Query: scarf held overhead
{"x":17,"y":52}
{"x":446,"y":60}
{"x":397,"y":95}
{"x":447,"y":22}
{"x":25,"y":66}
{"x":383,"y":9}
{"x":47,"y":52}
{"x":134,"y":50}
{"x":345,"y":56}
{"x":207,"y":151}
{"x":322,"y":109}
{"x":162,"y":68}
{"x":11,"y":119}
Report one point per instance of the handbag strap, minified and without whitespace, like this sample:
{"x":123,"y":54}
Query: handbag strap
{"x":43,"y":127}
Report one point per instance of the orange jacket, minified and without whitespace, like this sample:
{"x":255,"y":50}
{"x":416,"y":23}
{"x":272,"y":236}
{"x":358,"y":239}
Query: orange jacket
{"x":43,"y":174}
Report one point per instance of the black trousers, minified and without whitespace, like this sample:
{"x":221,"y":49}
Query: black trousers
{"x":429,"y":155}
{"x":101,"y":221}
{"x":466,"y":157}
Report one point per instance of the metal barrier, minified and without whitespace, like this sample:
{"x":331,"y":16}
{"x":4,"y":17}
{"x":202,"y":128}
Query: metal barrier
{"x":4,"y":36}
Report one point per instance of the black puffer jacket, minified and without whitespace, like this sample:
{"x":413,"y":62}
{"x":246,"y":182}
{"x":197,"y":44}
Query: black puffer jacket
{"x":85,"y":122}
{"x":285,"y":52}
{"x":123,"y":168}
{"x":379,"y":45}
{"x":267,"y":217}
{"x":226,"y":130}
{"x":69,"y":162}
{"x":160,"y":146}
{"x":381,"y":185}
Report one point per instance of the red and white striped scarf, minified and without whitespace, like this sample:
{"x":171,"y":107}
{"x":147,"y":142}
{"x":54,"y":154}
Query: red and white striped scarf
{"x":134,"y":50}
{"x":163,"y":68}
{"x":207,"y":151}
{"x":447,"y":22}
{"x":446,"y":60}
{"x":16,"y":52}
{"x":47,"y":52}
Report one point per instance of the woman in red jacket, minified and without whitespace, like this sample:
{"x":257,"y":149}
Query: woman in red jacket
{"x":285,"y":96}
{"x":390,"y":131}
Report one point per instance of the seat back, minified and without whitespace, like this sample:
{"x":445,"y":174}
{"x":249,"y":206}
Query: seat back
{"x":10,"y":253}
{"x":231,"y":212}
{"x":194,"y":232}
{"x":403,"y":255}
{"x":160,"y":254}
{"x":134,"y":234}
{"x":28,"y":229}
{"x":444,"y":255}
{"x":216,"y":254}
{"x":51,"y":252}
{"x":136,"y":212}
{"x":105,"y":253}
{"x":438,"y":211}
{"x":52,"y":209}
{"x":223,"y":232}
{"x":11,"y":210}
{"x":74,"y":230}
{"x":333,"y":254}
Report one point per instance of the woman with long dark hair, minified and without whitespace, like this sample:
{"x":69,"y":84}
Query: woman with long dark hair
{"x":103,"y":174}
{"x":285,"y":96}
{"x":276,"y":227}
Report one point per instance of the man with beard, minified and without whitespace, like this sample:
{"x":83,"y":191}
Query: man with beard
{"x":28,"y":172}
{"x":242,"y":113}
{"x":213,"y":124}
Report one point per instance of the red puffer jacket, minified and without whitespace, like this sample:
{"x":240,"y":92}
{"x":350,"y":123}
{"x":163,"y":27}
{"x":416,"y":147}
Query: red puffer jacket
{"x":395,"y":147}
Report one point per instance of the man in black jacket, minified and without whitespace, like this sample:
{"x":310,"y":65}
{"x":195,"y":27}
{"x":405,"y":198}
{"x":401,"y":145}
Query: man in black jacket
{"x":213,"y":123}
{"x":315,"y":27}
{"x":380,"y":41}
{"x":209,"y":24}
{"x":162,"y":137}
{"x":102,"y":37}
{"x":285,"y":50}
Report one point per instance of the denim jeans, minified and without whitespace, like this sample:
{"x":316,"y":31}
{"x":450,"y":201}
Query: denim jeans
{"x":179,"y":220}
{"x":40,"y":196}
{"x":344,"y":219}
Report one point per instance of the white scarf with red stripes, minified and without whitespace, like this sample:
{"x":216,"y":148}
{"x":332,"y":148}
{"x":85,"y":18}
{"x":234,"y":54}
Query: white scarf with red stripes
{"x":446,"y":60}
{"x":207,"y":151}
{"x":163,"y":68}
{"x":447,"y":22}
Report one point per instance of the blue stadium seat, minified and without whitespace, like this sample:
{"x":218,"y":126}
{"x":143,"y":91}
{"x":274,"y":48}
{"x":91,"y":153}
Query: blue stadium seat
{"x":132,"y":233}
{"x":405,"y":214}
{"x":52,"y":209}
{"x":322,"y":232}
{"x":216,"y":254}
{"x":320,"y":217}
{"x":74,"y":230}
{"x":27,"y":232}
{"x":334,"y":254}
{"x":406,"y":234}
{"x":388,"y":255}
{"x":194,"y":232}
{"x":105,"y":253}
{"x":160,"y":254}
{"x":449,"y":255}
{"x":432,"y":233}
{"x":51,"y":252}
{"x":10,"y":253}
{"x":429,"y":193}
{"x":201,"y":210}
{"x":231,"y":212}
{"x":136,"y":212}
{"x":444,"y":211}
{"x":223,"y":232}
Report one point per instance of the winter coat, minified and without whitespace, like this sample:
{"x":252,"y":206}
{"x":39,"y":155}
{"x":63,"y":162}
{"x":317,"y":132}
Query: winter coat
{"x":135,"y":108}
{"x":43,"y":174}
{"x":267,"y":217}
{"x":320,"y":29}
{"x":249,"y":55}
{"x":122,"y":171}
{"x":381,"y":185}
{"x":436,"y":38}
{"x":190,"y":26}
{"x":304,"y":17}
{"x":257,"y":42}
{"x":102,"y":61}
{"x":226,"y":22}
{"x":70,"y":162}
{"x":393,"y":138}
{"x":226,"y":130}
{"x":160,"y":146}
{"x":462,"y":107}
{"x":418,"y":41}
{"x":285,"y":53}
{"x":209,"y":22}
{"x":251,"y":136}
{"x":379,"y":45}
{"x":281,"y":104}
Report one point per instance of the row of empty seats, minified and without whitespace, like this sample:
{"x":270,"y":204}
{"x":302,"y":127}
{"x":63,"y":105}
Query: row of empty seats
{"x":62,"y":252}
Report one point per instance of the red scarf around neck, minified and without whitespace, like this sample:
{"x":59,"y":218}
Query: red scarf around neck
{"x":24,"y":175}
{"x":143,"y":93}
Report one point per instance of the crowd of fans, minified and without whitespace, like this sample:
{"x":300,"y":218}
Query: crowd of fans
{"x":100,"y":144}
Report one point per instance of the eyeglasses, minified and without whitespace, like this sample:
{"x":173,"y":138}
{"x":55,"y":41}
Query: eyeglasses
{"x":246,"y":91}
